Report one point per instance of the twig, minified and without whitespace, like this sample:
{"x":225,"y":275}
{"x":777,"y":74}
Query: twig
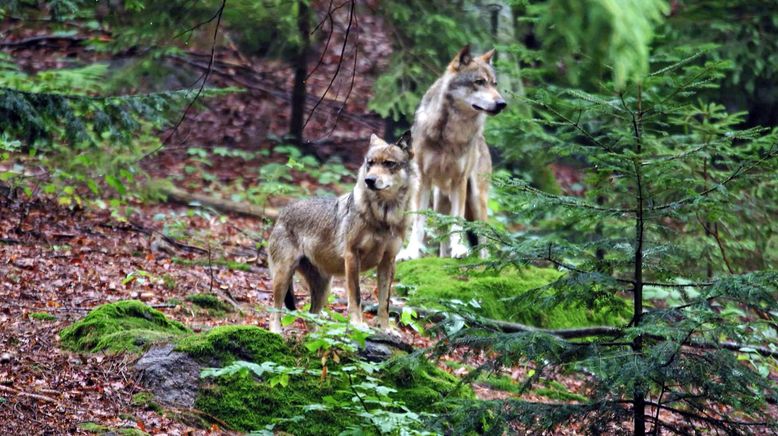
{"x":329,"y":37}
{"x":340,"y":63}
{"x":350,"y":88}
{"x":28,"y":394}
{"x":199,"y":91}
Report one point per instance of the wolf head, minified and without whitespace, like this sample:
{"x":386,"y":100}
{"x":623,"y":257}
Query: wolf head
{"x":473,"y":84}
{"x":387,"y":168}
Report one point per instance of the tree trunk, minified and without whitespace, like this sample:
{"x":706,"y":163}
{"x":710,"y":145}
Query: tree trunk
{"x":301,"y":70}
{"x":639,"y":402}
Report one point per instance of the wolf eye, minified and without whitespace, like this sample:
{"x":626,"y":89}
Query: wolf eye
{"x":480,"y":82}
{"x":390,"y":164}
{"x":370,"y":163}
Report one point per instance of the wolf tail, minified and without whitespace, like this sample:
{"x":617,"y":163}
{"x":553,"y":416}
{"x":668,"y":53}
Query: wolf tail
{"x":289,"y":298}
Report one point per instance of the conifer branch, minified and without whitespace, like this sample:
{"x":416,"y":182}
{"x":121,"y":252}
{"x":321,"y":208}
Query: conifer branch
{"x":740,"y":171}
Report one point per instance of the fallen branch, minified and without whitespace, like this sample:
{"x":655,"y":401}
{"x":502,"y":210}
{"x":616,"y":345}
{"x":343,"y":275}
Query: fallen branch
{"x":27,"y":394}
{"x":574,"y":333}
{"x":42,"y":39}
{"x":734,"y":346}
{"x":184,"y":197}
{"x":511,"y":327}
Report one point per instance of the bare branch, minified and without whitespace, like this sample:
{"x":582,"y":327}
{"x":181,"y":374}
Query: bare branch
{"x":205,"y":76}
{"x":340,"y":62}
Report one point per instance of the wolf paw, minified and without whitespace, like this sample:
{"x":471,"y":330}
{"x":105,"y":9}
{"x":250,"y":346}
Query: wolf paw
{"x":459,"y":251}
{"x":275,"y":326}
{"x":408,"y":253}
{"x":355,"y":319}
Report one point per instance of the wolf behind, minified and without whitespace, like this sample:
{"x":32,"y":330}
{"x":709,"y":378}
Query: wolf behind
{"x":450,"y":150}
{"x":324,"y":237}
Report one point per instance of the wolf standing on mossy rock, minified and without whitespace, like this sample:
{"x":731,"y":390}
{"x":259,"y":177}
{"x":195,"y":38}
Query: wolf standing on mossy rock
{"x":450,"y":149}
{"x":323,"y":237}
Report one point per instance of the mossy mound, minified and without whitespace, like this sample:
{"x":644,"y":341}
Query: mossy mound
{"x":431,"y":282}
{"x":209,"y":302}
{"x":129,"y":326}
{"x":223,"y":345}
{"x":246,"y":402}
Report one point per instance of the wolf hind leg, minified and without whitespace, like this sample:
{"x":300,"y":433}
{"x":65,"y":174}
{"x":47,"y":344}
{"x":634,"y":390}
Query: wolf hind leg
{"x":282,"y":271}
{"x":318,"y":284}
{"x":442,"y":205}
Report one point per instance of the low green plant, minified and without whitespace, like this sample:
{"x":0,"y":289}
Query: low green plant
{"x":42,"y":316}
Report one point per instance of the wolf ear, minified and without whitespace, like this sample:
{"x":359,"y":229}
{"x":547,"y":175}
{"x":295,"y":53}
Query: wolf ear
{"x":375,"y":140}
{"x":462,"y":58}
{"x":405,"y":143}
{"x":487,"y":57}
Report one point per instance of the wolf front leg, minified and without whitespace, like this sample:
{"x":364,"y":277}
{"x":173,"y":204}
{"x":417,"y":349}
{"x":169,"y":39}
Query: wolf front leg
{"x":385,"y":278}
{"x":415,"y":246}
{"x":352,"y":287}
{"x":458,"y":198}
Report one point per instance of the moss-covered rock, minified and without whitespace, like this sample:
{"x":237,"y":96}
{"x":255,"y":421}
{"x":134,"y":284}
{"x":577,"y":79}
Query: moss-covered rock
{"x":246,"y":402}
{"x":129,"y":326}
{"x":223,"y":345}
{"x":432,"y":282}
{"x":303,"y":404}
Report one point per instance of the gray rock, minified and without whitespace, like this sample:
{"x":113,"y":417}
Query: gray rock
{"x":172,"y":376}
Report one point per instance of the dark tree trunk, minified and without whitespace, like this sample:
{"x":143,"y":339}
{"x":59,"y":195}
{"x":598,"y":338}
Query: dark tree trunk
{"x":639,"y":402}
{"x":301,"y":70}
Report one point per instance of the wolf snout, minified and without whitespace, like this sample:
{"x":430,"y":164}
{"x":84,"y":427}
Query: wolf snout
{"x":371,"y":181}
{"x":499,"y":106}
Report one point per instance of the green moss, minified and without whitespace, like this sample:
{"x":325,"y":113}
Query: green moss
{"x":499,"y":382}
{"x":557,"y":391}
{"x":225,"y":344}
{"x":146,"y":401}
{"x":421,"y":385}
{"x":43,"y":316}
{"x":429,"y":282}
{"x":210,"y":302}
{"x":247,"y":404}
{"x":123,"y":326}
{"x":92,"y":427}
{"x":226,"y":263}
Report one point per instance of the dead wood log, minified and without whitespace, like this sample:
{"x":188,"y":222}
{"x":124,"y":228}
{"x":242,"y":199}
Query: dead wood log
{"x":184,"y":197}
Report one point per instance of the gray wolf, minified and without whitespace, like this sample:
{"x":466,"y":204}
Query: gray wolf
{"x":450,"y":150}
{"x":325,"y":237}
